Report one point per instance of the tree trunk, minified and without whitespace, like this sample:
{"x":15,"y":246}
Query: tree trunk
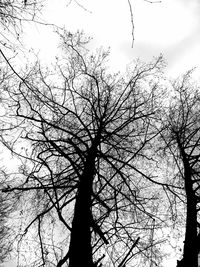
{"x":190,"y":252}
{"x":80,"y":249}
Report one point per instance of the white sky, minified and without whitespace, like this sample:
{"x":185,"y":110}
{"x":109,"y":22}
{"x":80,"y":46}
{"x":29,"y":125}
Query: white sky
{"x":171,"y":27}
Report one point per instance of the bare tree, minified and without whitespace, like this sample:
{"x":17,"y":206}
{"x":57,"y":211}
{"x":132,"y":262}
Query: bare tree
{"x":182,"y":142}
{"x":83,"y":137}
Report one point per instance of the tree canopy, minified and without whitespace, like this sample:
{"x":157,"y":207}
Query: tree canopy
{"x":83,"y":136}
{"x":104,"y":164}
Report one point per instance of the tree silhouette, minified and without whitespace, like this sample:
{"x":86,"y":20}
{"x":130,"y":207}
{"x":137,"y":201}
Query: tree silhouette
{"x":83,"y":137}
{"x":182,"y":142}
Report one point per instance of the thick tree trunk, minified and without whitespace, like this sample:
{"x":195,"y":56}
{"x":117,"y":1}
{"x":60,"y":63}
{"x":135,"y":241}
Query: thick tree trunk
{"x":80,"y":249}
{"x":190,"y":252}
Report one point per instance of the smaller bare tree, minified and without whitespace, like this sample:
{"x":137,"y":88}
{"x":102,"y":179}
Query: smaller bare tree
{"x":181,"y":134}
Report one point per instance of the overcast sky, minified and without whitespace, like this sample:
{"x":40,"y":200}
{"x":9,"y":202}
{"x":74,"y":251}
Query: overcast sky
{"x":171,"y":28}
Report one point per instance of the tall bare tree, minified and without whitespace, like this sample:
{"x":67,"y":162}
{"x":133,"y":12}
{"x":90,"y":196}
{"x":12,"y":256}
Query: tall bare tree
{"x":83,"y":137}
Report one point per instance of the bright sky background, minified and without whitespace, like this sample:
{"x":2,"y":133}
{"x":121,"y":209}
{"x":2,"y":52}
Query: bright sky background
{"x":171,"y":28}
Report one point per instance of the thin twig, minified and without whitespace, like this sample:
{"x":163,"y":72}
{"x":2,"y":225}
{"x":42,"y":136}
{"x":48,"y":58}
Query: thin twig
{"x":132,"y":22}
